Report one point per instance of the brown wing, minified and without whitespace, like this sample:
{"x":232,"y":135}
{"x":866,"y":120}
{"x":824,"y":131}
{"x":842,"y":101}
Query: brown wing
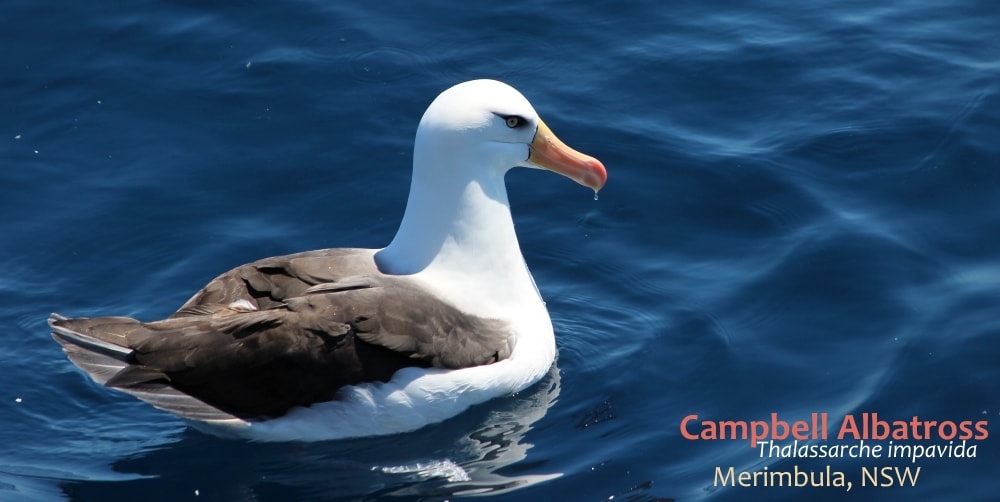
{"x":269,"y":282}
{"x":317,"y":330}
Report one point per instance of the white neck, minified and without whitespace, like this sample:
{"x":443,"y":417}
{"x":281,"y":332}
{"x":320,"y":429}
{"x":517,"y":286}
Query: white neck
{"x":460,"y":233}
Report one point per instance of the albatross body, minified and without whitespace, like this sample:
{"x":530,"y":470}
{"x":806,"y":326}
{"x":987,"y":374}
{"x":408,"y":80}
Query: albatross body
{"x":349,"y":342}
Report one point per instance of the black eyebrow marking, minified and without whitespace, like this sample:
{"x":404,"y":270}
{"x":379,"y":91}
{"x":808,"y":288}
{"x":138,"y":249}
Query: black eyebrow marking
{"x":521,"y":121}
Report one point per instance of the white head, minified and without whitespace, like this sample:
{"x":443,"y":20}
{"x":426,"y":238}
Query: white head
{"x":457,"y":216}
{"x":489,"y":125}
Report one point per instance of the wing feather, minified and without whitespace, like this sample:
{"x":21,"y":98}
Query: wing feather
{"x":319,"y":321}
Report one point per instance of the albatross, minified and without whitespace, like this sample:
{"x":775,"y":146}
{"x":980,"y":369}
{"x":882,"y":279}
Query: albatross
{"x":351,"y":342}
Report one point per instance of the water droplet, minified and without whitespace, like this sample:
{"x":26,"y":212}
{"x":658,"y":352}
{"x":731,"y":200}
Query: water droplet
{"x":595,"y":194}
{"x":18,"y":400}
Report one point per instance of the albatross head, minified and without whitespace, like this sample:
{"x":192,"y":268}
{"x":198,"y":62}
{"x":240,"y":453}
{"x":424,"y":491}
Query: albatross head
{"x":457,"y":221}
{"x":488,"y":125}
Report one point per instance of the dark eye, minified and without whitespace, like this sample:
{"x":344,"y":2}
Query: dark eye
{"x":514,"y":121}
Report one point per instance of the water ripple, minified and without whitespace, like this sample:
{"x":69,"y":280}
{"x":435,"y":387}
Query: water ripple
{"x":385,"y":64}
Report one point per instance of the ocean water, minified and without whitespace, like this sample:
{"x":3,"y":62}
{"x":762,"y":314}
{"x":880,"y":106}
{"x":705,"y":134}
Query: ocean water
{"x":802,"y":216}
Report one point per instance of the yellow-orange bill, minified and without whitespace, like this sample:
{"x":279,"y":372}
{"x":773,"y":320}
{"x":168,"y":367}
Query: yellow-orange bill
{"x":548,"y":152}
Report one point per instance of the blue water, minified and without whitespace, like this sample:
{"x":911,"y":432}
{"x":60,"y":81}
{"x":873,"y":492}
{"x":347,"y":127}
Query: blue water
{"x":802,"y":215}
